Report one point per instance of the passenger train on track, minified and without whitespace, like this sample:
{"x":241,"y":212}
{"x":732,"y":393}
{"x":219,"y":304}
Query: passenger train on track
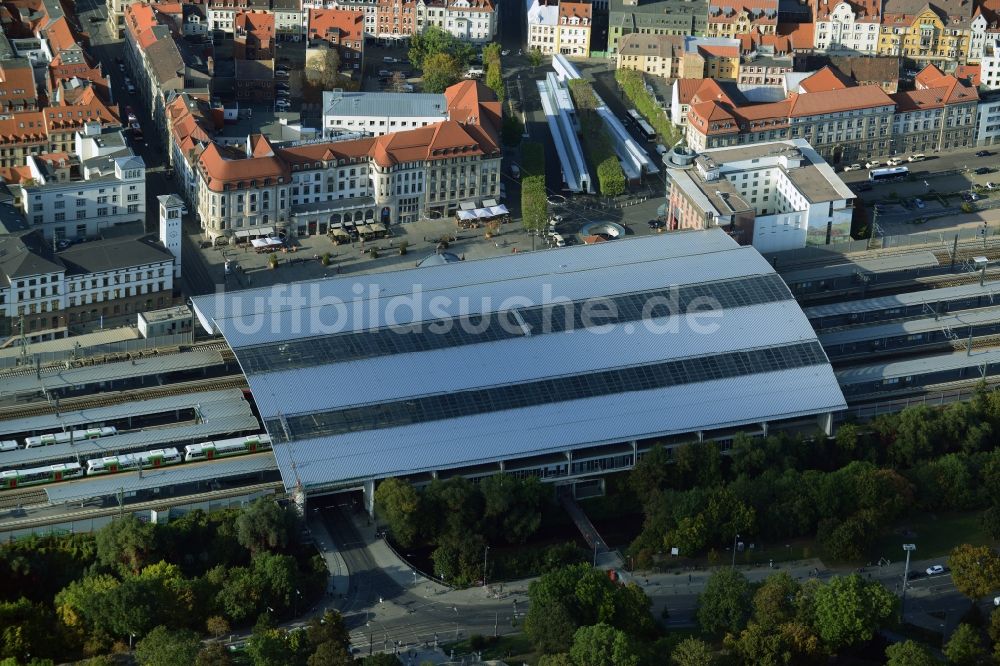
{"x":154,"y":459}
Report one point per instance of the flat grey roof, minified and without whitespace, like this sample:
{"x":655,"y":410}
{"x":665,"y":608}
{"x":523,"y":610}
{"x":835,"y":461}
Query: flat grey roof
{"x":885,"y":264}
{"x":128,"y":482}
{"x":146,"y":366}
{"x":417,"y":398}
{"x":911,"y":327}
{"x":211,"y":404}
{"x":384,"y":104}
{"x":103,"y":337}
{"x":918,"y":366}
{"x":928,"y":296}
{"x":218,"y":427}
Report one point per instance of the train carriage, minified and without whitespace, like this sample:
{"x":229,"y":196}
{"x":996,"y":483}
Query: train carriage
{"x":227,"y":447}
{"x":128,"y":461}
{"x":49,"y":474}
{"x":8,"y":445}
{"x":67,"y":437}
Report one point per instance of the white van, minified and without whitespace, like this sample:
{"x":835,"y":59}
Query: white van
{"x":474,"y":73}
{"x":895,"y":161}
{"x":919,"y":157}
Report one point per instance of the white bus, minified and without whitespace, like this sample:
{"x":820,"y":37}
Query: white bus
{"x":888,"y":175}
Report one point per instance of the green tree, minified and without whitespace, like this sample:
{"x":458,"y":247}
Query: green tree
{"x":993,"y":630}
{"x":264,"y":525}
{"x":848,"y":610}
{"x":441,"y":70}
{"x":240,"y":596}
{"x":512,"y":130}
{"x":433,"y":40}
{"x":328,"y":629}
{"x":603,"y":645}
{"x":848,"y":539}
{"x":909,"y":653}
{"x":965,"y":647}
{"x":975,"y":570}
{"x":459,"y":558}
{"x":451,"y":507}
{"x":331,"y":653}
{"x":534,"y":58}
{"x":269,"y":647}
{"x":217,"y":625}
{"x":126,"y":544}
{"x":166,"y":647}
{"x":494,"y":79}
{"x":558,"y":659}
{"x":692,"y":652}
{"x":774,"y":600}
{"x":610,"y":177}
{"x":213,"y":654}
{"x":650,"y":475}
{"x":550,"y":626}
{"x":129,"y":609}
{"x":513,"y":505}
{"x":399,"y":504}
{"x":761,"y":646}
{"x":26,"y":628}
{"x":277,"y":578}
{"x":724,"y":605}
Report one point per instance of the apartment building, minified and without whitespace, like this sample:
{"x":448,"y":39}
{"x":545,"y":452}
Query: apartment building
{"x":776,"y":195}
{"x":654,"y":17}
{"x":17,"y":86}
{"x":559,"y":26}
{"x":309,"y":188}
{"x":988,"y":119}
{"x":729,"y":18}
{"x":937,"y":32}
{"x":841,"y":121}
{"x":339,"y":29}
{"x":254,"y":36}
{"x":74,"y":196}
{"x":939,"y":114}
{"x":989,"y":64}
{"x":50,"y":291}
{"x":397,"y":19}
{"x":659,"y":55}
{"x":469,"y":20}
{"x":376,"y":114}
{"x":847,"y":27}
{"x":289,"y":20}
{"x":222,"y":13}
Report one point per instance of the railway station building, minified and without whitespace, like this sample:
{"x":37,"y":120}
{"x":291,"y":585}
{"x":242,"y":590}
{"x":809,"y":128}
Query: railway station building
{"x":565,"y":364}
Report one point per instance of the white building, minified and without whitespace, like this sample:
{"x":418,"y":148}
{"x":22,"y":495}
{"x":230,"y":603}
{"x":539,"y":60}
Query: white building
{"x":989,"y":65}
{"x":778,"y":195}
{"x":843,"y":27}
{"x":543,"y":26}
{"x":75,"y":196}
{"x":375,"y":114}
{"x":468,"y":20}
{"x":988,"y":120}
{"x":104,"y":278}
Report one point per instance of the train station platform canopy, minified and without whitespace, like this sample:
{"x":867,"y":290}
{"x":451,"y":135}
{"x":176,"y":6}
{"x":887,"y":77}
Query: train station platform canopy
{"x":130,"y":482}
{"x":369,"y":376}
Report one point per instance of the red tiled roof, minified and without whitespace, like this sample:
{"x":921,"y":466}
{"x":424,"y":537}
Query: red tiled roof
{"x":717,"y":51}
{"x":831,"y":101}
{"x":348,"y":25}
{"x":569,"y":9}
{"x":824,"y":80}
{"x":972,"y":74}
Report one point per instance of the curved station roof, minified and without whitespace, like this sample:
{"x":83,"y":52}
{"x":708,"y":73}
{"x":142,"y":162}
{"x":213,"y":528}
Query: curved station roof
{"x":369,"y":376}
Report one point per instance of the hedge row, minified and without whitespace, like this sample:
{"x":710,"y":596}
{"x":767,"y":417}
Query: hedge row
{"x":597,"y":143}
{"x":534,"y":203}
{"x":634,"y":87}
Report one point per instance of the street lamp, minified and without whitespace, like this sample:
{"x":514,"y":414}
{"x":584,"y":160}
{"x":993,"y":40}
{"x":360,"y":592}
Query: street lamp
{"x":909,"y":548}
{"x":735,"y":537}
{"x":597,"y":543}
{"x":486,"y":552}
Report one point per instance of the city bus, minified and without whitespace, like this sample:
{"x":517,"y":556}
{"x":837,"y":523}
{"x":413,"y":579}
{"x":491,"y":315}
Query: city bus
{"x":888,"y":174}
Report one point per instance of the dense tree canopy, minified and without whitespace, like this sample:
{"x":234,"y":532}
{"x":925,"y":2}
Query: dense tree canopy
{"x":433,"y":41}
{"x":850,"y":610}
{"x":724,"y":606}
{"x":975,"y":570}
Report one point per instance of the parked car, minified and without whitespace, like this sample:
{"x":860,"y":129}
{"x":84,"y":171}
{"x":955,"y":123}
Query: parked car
{"x":656,"y":224}
{"x":983,"y":171}
{"x":871,"y":164}
{"x":505,"y":52}
{"x":96,"y":19}
{"x":983,"y":153}
{"x":280,"y":73}
{"x":282,"y":103}
{"x":895,"y":161}
{"x":918,"y":157}
{"x":389,"y":59}
{"x":853,"y":167}
{"x":919,"y":203}
{"x":935,"y":569}
{"x":558,"y":240}
{"x":990,"y":185}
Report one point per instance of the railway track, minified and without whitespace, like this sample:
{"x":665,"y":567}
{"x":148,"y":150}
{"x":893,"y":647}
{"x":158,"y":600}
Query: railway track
{"x":23,"y":497}
{"x":121,"y":397}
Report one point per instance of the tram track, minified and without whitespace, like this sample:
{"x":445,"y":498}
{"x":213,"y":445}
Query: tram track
{"x":22,"y":497}
{"x":122,"y":397}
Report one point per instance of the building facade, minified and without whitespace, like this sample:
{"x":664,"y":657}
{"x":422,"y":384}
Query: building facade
{"x":469,"y":20}
{"x":847,"y":27}
{"x":774,"y":195}
{"x":375,"y":114}
{"x":660,"y":17}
